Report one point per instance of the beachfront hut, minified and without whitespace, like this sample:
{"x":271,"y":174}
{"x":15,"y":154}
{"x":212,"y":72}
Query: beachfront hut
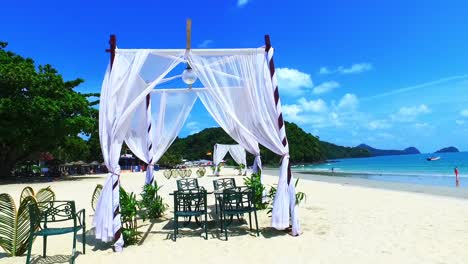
{"x":239,"y":90}
{"x":237,"y":153}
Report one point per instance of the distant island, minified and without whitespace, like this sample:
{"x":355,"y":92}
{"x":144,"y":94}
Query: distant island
{"x":384,"y":152}
{"x":447,"y":150}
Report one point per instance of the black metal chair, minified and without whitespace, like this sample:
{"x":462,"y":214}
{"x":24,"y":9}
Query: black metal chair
{"x":188,"y":204}
{"x":45,"y":213}
{"x":188,"y":185}
{"x":221,"y":185}
{"x":237,"y":202}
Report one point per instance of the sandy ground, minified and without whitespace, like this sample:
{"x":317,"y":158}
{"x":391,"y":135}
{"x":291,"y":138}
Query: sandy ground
{"x":341,"y":223}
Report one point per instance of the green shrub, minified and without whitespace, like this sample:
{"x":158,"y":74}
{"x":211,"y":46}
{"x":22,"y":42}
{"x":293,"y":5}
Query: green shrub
{"x":254,"y":183}
{"x":151,"y":204}
{"x":300,"y":196}
{"x":128,"y":216}
{"x":240,"y":167}
{"x":213,"y":168}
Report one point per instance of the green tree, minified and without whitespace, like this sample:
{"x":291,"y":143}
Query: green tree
{"x":39,"y":111}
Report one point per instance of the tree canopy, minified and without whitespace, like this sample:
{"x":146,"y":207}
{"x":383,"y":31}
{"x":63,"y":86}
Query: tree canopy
{"x":39,"y":112}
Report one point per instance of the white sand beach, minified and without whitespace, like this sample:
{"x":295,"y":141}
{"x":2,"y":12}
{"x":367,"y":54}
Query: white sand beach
{"x":341,"y":223}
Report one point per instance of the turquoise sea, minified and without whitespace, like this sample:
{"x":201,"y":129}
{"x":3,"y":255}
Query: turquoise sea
{"x":403,"y":168}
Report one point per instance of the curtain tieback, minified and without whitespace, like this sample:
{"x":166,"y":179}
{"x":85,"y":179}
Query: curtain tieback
{"x":282,"y":157}
{"x":113,"y":173}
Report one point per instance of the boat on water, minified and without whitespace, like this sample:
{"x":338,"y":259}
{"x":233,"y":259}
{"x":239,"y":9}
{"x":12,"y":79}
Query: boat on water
{"x":433,"y":158}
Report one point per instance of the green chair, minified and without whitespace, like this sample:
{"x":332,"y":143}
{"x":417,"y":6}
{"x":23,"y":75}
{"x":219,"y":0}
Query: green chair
{"x":188,"y":185}
{"x":47,"y":213}
{"x":188,"y":204}
{"x":236,"y":202}
{"x":220,"y":185}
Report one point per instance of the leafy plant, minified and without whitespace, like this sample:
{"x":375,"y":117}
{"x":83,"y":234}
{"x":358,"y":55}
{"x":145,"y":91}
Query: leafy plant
{"x":95,"y":197}
{"x":254,"y":183}
{"x":300,"y":196}
{"x":151,"y":203}
{"x":15,"y":225}
{"x":128,"y":216}
{"x":240,"y":168}
{"x":213,"y":168}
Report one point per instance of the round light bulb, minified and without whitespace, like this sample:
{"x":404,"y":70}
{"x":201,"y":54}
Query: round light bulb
{"x":189,"y":77}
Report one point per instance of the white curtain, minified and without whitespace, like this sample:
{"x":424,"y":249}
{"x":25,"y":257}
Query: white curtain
{"x":240,"y":134}
{"x":133,"y":76}
{"x":169,"y":111}
{"x":218,"y":154}
{"x":238,"y":154}
{"x":242,"y":86}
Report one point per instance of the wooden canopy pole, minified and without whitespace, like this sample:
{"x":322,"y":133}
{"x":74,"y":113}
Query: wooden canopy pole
{"x":189,"y":33}
{"x":281,"y":126}
{"x":189,"y":41}
{"x":111,"y":49}
{"x":116,"y":182}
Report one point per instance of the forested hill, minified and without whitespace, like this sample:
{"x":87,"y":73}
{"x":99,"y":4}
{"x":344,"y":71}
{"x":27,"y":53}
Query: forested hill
{"x":303,"y":147}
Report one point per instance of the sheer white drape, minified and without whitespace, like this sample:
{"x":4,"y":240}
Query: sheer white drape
{"x":242,"y":136}
{"x":169,"y":113}
{"x":133,"y":76}
{"x":238,"y":154}
{"x":218,"y":154}
{"x":250,"y":103}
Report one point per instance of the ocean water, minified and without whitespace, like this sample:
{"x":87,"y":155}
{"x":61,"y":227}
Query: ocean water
{"x":403,"y":168}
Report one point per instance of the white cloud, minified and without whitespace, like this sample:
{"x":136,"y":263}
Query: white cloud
{"x":306,"y":111}
{"x":324,"y":70}
{"x":460,"y":122}
{"x":355,"y":68}
{"x":379,"y":124}
{"x":291,"y":110}
{"x":384,"y":135}
{"x":319,"y":114}
{"x":241,"y":3}
{"x":408,"y":114}
{"x":292,"y":81}
{"x":464,"y":112}
{"x":193,"y":126}
{"x":205,"y":43}
{"x":315,"y":106}
{"x":348,"y":101}
{"x":421,"y":125}
{"x":325,"y":87}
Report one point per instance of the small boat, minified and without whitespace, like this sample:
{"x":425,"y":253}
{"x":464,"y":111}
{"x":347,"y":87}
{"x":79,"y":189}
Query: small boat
{"x":433,"y":158}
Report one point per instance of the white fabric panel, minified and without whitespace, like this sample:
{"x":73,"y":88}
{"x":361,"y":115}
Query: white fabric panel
{"x":238,"y":154}
{"x":257,"y":166}
{"x":133,"y":76}
{"x":240,"y":134}
{"x":219,"y":153}
{"x":169,"y":113}
{"x":253,"y":110}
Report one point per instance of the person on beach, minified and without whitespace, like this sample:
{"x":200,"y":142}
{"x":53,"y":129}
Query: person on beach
{"x":457,"y":180}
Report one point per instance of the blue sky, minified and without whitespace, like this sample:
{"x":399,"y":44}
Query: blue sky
{"x":391,"y":75}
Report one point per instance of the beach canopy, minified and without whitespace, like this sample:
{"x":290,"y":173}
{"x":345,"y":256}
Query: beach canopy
{"x":237,"y":153}
{"x":239,"y":90}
